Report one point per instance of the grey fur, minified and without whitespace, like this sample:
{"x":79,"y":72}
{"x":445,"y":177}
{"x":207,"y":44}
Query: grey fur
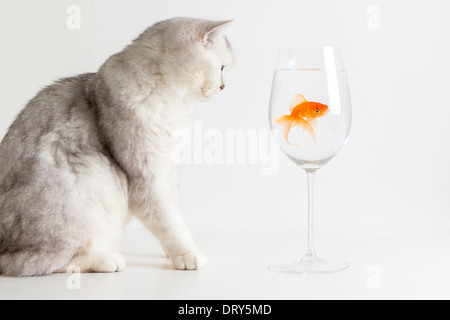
{"x":72,"y":130}
{"x":38,"y":230}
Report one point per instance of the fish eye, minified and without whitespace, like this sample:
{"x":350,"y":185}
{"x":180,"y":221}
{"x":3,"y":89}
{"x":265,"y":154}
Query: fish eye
{"x":317,"y":111}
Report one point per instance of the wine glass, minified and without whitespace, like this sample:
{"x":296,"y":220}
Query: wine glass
{"x":310,"y":117}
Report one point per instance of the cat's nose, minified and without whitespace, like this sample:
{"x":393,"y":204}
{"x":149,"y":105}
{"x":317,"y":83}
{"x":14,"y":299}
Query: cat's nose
{"x":222,"y":87}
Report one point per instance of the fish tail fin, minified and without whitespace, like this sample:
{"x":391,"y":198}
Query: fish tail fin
{"x":287,"y":122}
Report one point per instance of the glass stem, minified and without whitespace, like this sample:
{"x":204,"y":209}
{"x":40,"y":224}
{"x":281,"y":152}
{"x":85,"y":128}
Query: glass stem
{"x":311,"y":251}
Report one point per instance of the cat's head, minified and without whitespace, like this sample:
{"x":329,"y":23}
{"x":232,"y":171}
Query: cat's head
{"x":196,"y":54}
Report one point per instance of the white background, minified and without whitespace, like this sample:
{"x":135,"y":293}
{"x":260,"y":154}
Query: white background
{"x":391,"y":181}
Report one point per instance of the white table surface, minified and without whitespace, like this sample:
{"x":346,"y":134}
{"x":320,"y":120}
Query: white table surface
{"x":382,"y":267}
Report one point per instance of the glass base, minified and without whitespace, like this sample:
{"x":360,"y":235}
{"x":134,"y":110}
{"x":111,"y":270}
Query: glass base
{"x":310,"y":265}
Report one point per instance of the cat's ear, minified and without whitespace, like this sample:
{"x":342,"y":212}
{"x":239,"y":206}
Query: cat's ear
{"x":214,"y":30}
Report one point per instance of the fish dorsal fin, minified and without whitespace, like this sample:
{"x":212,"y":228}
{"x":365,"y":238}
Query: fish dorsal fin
{"x":298,"y":98}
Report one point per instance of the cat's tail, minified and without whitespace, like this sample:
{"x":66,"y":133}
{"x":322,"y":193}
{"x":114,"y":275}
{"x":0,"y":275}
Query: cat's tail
{"x":29,"y":263}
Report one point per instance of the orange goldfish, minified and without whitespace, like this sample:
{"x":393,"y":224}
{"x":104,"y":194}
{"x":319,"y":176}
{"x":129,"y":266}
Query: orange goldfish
{"x":303,"y":114}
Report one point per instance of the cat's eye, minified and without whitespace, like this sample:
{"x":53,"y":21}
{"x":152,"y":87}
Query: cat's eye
{"x":223,"y":68}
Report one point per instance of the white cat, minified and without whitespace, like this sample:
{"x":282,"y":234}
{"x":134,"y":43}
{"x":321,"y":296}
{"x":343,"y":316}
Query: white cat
{"x":98,"y":148}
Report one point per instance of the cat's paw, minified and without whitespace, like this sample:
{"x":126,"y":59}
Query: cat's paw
{"x":193,"y":260}
{"x":95,"y":264}
{"x":108,"y":264}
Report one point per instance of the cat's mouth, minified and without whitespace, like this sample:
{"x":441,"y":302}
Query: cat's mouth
{"x":210,"y":92}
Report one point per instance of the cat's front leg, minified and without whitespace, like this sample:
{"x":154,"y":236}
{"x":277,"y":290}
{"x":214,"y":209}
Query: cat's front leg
{"x":163,"y":218}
